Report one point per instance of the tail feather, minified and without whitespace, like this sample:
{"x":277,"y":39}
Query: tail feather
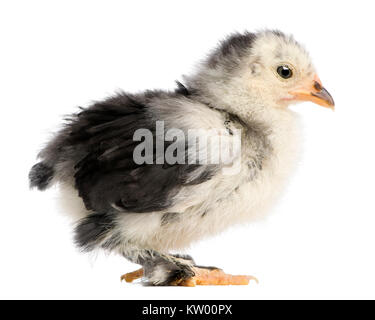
{"x":40,"y":176}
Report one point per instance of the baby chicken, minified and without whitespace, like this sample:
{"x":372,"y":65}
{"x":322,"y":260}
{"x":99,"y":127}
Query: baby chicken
{"x":110,"y":159}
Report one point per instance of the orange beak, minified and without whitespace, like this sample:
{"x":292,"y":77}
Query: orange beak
{"x":316,"y":94}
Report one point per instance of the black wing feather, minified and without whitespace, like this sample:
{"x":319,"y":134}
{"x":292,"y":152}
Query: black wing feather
{"x":107,"y":174}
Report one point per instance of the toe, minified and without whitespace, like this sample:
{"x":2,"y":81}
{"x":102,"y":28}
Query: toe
{"x":131,"y":276}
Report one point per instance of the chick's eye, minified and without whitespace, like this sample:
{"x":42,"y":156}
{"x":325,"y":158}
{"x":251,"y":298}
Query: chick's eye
{"x":284,"y":72}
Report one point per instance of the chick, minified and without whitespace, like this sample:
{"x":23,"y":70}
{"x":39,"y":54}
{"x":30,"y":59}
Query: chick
{"x":145,"y":209}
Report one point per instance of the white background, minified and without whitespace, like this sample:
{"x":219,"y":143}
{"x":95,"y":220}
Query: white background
{"x":57,"y":55}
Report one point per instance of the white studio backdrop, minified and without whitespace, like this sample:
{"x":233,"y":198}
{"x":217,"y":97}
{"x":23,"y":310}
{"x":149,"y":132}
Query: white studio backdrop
{"x":318,"y":242}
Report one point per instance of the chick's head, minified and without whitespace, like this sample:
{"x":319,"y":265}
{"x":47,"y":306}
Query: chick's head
{"x":267,"y":69}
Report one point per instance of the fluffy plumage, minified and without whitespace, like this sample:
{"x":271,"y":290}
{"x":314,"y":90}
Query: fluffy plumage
{"x":144,"y":211}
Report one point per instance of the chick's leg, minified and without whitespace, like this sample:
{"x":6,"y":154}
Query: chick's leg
{"x":179,"y":270}
{"x":159,"y":269}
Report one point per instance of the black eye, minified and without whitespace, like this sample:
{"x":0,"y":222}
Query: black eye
{"x":284,"y":72}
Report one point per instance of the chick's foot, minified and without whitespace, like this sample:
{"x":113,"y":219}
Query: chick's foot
{"x":209,"y":276}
